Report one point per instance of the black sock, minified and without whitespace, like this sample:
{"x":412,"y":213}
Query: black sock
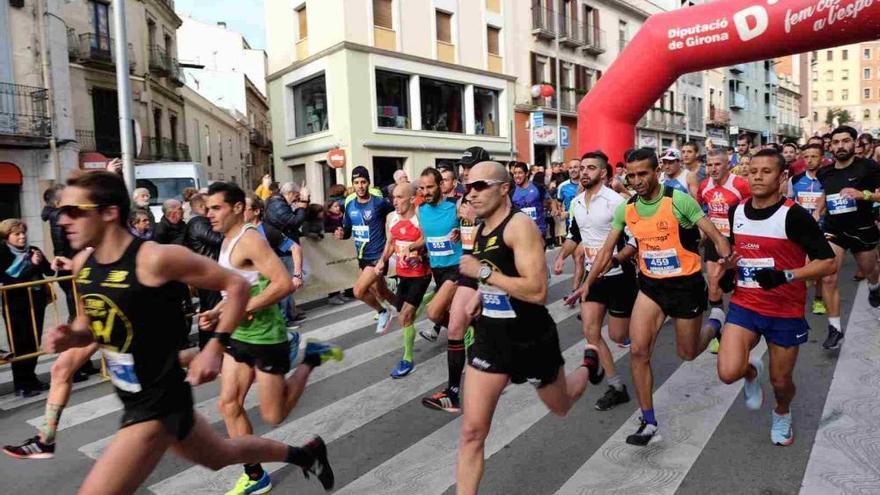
{"x":313,"y":360}
{"x":455,"y":360}
{"x":299,"y":456}
{"x":254,"y":471}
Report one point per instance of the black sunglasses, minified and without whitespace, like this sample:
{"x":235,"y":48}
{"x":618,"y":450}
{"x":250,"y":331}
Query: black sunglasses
{"x":482,"y":185}
{"x":77,"y":211}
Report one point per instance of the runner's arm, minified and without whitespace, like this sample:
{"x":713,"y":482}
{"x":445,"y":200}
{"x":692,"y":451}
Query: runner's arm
{"x":603,"y":257}
{"x":270,"y":266}
{"x":693,"y":184}
{"x":79,"y":333}
{"x":296,"y":255}
{"x":801,"y":228}
{"x":722,"y":246}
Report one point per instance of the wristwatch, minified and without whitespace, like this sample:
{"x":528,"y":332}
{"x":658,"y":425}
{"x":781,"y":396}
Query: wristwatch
{"x":223,"y":338}
{"x":485,"y":273}
{"x":298,"y":275}
{"x":789,"y":275}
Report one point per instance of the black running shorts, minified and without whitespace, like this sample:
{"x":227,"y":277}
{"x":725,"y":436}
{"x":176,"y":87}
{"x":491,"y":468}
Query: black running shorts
{"x":174,"y":411}
{"x":855,"y":239}
{"x":442,"y":274}
{"x":268,"y":358}
{"x":617,"y":293}
{"x":536,"y":359}
{"x":679,"y":297}
{"x":410,"y":290}
{"x":710,"y":253}
{"x":465,"y":281}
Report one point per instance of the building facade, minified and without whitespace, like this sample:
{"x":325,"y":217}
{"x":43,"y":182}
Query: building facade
{"x":835,"y":87}
{"x":218,"y":139}
{"x":391,"y":87}
{"x":717,"y":110}
{"x":869,"y":114}
{"x":751,"y":100}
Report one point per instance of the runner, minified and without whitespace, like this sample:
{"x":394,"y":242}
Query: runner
{"x":772,"y":236}
{"x":515,"y":339}
{"x":674,"y":175}
{"x":449,"y":186}
{"x":664,"y":223}
{"x":806,"y":190}
{"x":591,"y":215}
{"x":720,"y":191}
{"x":259,"y":347}
{"x":412,"y":269}
{"x":130,"y":307}
{"x":849,"y":191}
{"x":697,"y":172}
{"x":527,"y":197}
{"x":365,"y":218}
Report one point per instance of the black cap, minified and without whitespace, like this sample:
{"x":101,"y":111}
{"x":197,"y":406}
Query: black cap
{"x":473,"y":156}
{"x":360,"y":171}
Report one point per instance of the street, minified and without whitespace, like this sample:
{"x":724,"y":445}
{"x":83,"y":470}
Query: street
{"x":382,"y":441}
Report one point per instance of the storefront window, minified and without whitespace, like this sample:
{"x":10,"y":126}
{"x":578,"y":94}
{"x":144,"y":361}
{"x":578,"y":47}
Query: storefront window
{"x":486,"y":111}
{"x":442,"y":106}
{"x":310,"y":106}
{"x":392,"y":99}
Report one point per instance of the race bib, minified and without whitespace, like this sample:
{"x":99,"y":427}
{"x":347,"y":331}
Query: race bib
{"x":121,"y":369}
{"x":440,"y":246}
{"x":532,"y":212}
{"x":468,"y":235}
{"x":496,"y":303}
{"x":662,"y":263}
{"x":401,"y":249}
{"x":809,"y":200}
{"x":722,"y":224}
{"x":748,"y":267}
{"x":838,"y":204}
{"x":361,"y":234}
{"x":589,"y":257}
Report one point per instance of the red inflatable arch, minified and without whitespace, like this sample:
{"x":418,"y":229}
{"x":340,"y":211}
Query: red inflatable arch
{"x":716,"y":34}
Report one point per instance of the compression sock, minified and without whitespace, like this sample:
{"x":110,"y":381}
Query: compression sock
{"x":254,"y":471}
{"x":53,"y":416}
{"x":648,"y":416}
{"x":299,"y":456}
{"x":615,"y":381}
{"x":409,"y":338}
{"x":834,"y":321}
{"x":455,"y":361}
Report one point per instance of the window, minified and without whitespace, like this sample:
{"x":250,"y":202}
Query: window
{"x":492,"y":36}
{"x":815,"y":116}
{"x":444,"y":26}
{"x":829,"y":55}
{"x":866,"y":114}
{"x":301,"y":17}
{"x":392,"y":99}
{"x":442,"y":105}
{"x":844,"y":54}
{"x":866,"y":74}
{"x":829,"y":95}
{"x":829,"y":75}
{"x":844,"y":75}
{"x":486,"y":111}
{"x":844,"y":94}
{"x":100,"y":41}
{"x":310,"y":106}
{"x":197,"y":140}
{"x":220,"y":147}
{"x":867,"y":94}
{"x":622,"y":34}
{"x":867,"y":54}
{"x":815,"y":96}
{"x":591,"y":25}
{"x":815,"y":75}
{"x":382,"y":16}
{"x":208,"y":144}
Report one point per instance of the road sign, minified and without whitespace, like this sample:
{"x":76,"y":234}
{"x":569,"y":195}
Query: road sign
{"x":563,"y":136}
{"x":537,"y":119}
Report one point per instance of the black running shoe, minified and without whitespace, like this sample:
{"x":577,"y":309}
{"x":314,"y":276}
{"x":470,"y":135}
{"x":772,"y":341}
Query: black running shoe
{"x":447,"y":400}
{"x":321,"y":466}
{"x":612,"y":397}
{"x":835,"y":337}
{"x":874,"y":297}
{"x":644,"y":435}
{"x":33,"y":448}
{"x":591,"y":362}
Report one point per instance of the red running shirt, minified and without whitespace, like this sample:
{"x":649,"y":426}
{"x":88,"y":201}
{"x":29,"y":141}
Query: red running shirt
{"x":405,"y":231}
{"x":718,"y":199}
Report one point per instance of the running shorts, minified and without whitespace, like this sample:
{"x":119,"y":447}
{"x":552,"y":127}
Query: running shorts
{"x":617,"y":293}
{"x":174,"y":411}
{"x":854,"y":240}
{"x":410,"y":290}
{"x":680,"y":297}
{"x":443,"y":274}
{"x":268,"y":358}
{"x":465,"y":281}
{"x":709,"y":251}
{"x":535,"y":358}
{"x":362,"y":263}
{"x":784,"y":332}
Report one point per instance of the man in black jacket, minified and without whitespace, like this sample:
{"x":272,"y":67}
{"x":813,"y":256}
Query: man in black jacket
{"x":285,"y":213}
{"x":171,"y":229}
{"x":200,"y":238}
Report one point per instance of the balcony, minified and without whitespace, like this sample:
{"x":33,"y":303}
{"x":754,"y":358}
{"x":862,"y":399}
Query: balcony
{"x":24,"y":115}
{"x":570,"y":33}
{"x":738,"y":68}
{"x":183,"y":153}
{"x":96,"y":51}
{"x":175,"y":73}
{"x":384,"y":38}
{"x":160,"y":62}
{"x":163,"y":149}
{"x":259,"y":139}
{"x":445,"y":52}
{"x":771,"y":111}
{"x":718,"y":117}
{"x":542,"y":22}
{"x":568,"y":100}
{"x":107,"y":145}
{"x":663,"y":120}
{"x":594,"y":41}
{"x":496,"y":63}
{"x":72,"y":45}
{"x":738,"y":102}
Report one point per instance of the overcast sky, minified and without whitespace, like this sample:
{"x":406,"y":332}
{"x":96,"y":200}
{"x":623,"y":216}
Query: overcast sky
{"x":244,"y":16}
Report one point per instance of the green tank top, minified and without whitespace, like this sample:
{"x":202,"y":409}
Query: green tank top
{"x":266,"y":326}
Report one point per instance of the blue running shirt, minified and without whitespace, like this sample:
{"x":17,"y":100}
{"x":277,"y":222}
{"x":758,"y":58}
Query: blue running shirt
{"x":437,"y":223}
{"x":366,"y":223}
{"x":530,"y":200}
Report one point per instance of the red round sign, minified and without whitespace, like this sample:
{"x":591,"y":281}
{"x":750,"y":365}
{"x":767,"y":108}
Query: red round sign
{"x":336,"y":158}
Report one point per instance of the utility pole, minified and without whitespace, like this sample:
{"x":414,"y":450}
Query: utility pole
{"x":559,"y":19}
{"x":123,"y":88}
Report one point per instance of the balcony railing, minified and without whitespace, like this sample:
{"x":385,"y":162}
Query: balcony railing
{"x":594,"y":40}
{"x":663,"y":120}
{"x":183,"y":153}
{"x":718,"y":116}
{"x":258,"y":138}
{"x":24,"y":111}
{"x":164,"y":149}
{"x":96,"y":50}
{"x":542,"y":22}
{"x":738,"y":101}
{"x":175,"y":73}
{"x":571,"y":33}
{"x":160,"y":62}
{"x":107,"y":144}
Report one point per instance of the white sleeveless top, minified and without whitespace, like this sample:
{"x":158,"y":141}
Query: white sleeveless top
{"x":252,"y":276}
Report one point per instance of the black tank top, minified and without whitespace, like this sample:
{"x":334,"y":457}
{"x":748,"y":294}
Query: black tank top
{"x":137,"y":327}
{"x":490,"y":249}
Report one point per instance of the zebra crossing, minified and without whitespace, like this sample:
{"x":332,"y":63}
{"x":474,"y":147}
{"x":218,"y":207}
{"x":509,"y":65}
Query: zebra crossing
{"x":382,"y":441}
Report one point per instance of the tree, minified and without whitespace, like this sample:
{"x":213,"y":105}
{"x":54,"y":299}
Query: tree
{"x":842,"y":116}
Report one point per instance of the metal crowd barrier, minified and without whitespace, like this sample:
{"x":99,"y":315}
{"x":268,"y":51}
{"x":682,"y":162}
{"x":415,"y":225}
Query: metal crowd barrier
{"x":53,"y":298}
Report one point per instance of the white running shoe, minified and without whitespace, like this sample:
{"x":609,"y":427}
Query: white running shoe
{"x":383,"y":323}
{"x":752,"y":389}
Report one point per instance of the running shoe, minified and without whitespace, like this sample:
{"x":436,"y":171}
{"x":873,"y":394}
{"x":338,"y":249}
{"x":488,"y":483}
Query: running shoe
{"x":819,"y":307}
{"x":402,"y":369}
{"x":591,"y":362}
{"x":384,"y":321}
{"x":646,"y":434}
{"x":246,"y":486}
{"x":714,"y":345}
{"x":336,"y":300}
{"x":293,"y":339}
{"x":431,"y":334}
{"x":321,"y":466}
{"x":835,"y":337}
{"x":780,"y":431}
{"x":752,"y":389}
{"x":612,"y":397}
{"x":625,"y":344}
{"x":447,"y":400}
{"x":32,"y":448}
{"x":325,"y":350}
{"x":874,"y":297}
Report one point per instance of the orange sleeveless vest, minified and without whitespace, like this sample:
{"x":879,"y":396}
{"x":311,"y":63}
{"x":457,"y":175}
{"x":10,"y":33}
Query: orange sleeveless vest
{"x":666,"y":250}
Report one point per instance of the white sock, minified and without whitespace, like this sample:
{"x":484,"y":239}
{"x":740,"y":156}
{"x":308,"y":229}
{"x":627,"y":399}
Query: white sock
{"x":834,"y":321}
{"x":717,"y":314}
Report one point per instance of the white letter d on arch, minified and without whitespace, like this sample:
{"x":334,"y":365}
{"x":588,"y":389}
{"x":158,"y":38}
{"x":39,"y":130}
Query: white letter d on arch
{"x":741,"y":21}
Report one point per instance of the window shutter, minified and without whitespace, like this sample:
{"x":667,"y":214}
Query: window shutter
{"x":382,"y":16}
{"x":552,"y":62}
{"x":444,"y":27}
{"x":492,"y":35}
{"x":303,"y":23}
{"x":533,"y":59}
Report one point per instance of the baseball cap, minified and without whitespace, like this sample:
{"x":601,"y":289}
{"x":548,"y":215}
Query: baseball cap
{"x":473,"y":156}
{"x":360,"y":171}
{"x":671,"y":154}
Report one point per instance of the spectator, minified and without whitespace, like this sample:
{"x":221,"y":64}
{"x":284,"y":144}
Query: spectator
{"x":333,"y":216}
{"x":281,"y":218}
{"x":139,"y":225}
{"x":21,"y":263}
{"x":187,"y":195}
{"x":337,"y":192}
{"x":314,"y":224}
{"x":200,"y":238}
{"x":171,"y":229}
{"x":263,"y":191}
{"x":400,"y":177}
{"x":141,"y":201}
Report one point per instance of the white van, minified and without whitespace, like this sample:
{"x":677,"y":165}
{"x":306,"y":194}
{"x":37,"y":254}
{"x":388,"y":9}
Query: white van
{"x":167,"y":180}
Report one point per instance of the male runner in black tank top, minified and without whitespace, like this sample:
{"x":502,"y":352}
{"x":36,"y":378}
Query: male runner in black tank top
{"x":130,"y":307}
{"x":515,"y":338}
